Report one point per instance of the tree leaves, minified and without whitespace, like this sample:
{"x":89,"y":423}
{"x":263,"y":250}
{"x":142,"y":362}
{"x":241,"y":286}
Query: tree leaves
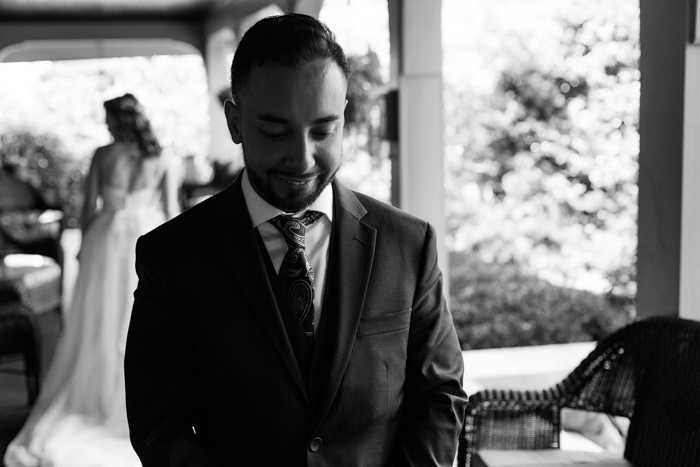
{"x":549,"y":152}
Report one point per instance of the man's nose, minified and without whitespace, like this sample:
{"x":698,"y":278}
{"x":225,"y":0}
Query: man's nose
{"x":301,"y":154}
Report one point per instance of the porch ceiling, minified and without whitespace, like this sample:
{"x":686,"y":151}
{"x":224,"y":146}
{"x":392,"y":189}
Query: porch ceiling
{"x":78,"y":29}
{"x":80,"y":10}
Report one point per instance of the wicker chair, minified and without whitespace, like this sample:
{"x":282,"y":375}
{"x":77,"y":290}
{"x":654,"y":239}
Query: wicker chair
{"x":19,"y":334}
{"x":28,"y":224}
{"x":648,"y":371}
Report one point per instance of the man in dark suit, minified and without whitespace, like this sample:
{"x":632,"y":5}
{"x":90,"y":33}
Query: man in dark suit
{"x":317,"y":339}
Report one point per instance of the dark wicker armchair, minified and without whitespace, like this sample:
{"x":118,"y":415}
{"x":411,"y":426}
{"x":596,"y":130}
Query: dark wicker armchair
{"x":19,"y":334}
{"x":648,"y":371}
{"x":28,"y":224}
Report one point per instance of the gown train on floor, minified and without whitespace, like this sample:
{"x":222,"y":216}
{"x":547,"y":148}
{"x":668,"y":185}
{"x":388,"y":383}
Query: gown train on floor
{"x":79,"y":419}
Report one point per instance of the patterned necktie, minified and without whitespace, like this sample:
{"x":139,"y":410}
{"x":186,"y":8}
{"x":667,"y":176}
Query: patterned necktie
{"x":296,"y":272}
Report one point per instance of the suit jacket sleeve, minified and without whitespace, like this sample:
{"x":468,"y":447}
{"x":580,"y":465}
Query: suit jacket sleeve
{"x":435,"y":401}
{"x":159,"y":373}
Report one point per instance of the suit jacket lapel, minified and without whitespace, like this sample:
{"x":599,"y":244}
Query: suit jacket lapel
{"x":248,"y":268}
{"x":352,"y":243}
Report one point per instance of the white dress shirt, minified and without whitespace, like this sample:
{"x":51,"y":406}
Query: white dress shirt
{"x":318,"y":235}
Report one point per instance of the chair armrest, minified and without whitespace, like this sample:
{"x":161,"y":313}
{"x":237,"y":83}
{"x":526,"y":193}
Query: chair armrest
{"x":19,"y":333}
{"x":34,"y":232}
{"x":510,"y":420}
{"x":12,"y":292}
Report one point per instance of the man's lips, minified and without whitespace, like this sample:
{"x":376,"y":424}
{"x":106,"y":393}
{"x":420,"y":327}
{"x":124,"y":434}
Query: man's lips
{"x":297,"y":181}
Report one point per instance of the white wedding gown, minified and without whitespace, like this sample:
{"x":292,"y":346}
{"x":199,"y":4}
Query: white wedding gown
{"x":79,"y":419}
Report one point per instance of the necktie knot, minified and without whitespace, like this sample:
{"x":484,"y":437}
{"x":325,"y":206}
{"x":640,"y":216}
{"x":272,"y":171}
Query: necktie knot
{"x":294,"y":228}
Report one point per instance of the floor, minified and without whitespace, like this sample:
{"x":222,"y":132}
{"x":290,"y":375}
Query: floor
{"x":14,"y":408}
{"x":13,"y":402}
{"x":525,"y":368}
{"x":518,"y":368}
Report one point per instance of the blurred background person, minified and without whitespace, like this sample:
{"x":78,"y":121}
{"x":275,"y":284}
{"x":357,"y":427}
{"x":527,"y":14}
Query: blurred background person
{"x":79,"y":418}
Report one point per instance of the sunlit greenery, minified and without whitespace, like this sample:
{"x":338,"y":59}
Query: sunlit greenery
{"x":541,"y":171}
{"x":497,"y":305}
{"x":53,"y":119}
{"x":541,"y":142}
{"x":542,"y":160}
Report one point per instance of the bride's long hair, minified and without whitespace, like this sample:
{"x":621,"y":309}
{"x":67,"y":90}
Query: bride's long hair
{"x":131,"y":126}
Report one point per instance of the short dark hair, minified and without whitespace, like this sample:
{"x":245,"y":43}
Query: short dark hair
{"x":293,"y":39}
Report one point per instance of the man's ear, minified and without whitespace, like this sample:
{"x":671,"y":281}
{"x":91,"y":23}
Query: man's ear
{"x":233,"y":120}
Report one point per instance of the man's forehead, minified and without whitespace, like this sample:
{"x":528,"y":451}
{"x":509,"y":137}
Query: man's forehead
{"x":273,"y":70}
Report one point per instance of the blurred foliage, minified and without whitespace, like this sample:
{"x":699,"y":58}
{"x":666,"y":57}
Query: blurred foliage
{"x":496,"y":305}
{"x":57,"y":117}
{"x":365,"y":86}
{"x":540,"y":156}
{"x":542,"y":163}
{"x":42,"y":160}
{"x":366,"y":165}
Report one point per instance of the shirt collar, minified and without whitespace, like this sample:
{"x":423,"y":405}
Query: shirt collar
{"x":261,"y":211}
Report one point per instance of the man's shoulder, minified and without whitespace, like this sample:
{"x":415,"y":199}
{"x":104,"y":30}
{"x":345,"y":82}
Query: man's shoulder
{"x":392,"y":224}
{"x":380,"y":212}
{"x":197,"y":221}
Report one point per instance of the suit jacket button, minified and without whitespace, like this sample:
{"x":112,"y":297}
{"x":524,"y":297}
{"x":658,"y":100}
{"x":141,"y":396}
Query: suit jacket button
{"x":316,"y":444}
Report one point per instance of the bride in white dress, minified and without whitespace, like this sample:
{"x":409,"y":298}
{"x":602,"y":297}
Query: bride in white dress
{"x":79,"y":419}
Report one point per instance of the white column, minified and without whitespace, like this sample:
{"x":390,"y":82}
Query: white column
{"x":308,"y":7}
{"x":661,"y":141}
{"x":219,"y":51}
{"x":690,"y":216}
{"x":421,"y":117}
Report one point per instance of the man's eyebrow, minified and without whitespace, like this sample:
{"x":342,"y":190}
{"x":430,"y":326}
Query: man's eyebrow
{"x":328,"y":119}
{"x":275,"y":119}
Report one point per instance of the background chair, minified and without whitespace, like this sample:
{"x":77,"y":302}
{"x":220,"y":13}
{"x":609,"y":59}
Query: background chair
{"x":19,"y":334}
{"x":649,"y":372}
{"x":28,"y":224}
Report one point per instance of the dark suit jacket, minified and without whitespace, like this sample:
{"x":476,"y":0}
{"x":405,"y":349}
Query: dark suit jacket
{"x":211,"y":377}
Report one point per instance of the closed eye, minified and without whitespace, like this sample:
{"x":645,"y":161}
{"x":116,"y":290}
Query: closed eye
{"x":323,"y":133}
{"x":275,"y":135}
{"x":320,"y":136}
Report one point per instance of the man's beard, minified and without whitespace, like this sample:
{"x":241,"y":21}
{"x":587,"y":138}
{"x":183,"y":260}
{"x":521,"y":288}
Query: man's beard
{"x":289,"y":204}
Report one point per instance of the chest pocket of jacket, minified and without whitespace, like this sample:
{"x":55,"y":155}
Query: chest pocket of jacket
{"x":385,"y":323}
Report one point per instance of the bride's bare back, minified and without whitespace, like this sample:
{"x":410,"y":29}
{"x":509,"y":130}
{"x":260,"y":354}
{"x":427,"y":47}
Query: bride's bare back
{"x":134,"y":160}
{"x":119,"y":165}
